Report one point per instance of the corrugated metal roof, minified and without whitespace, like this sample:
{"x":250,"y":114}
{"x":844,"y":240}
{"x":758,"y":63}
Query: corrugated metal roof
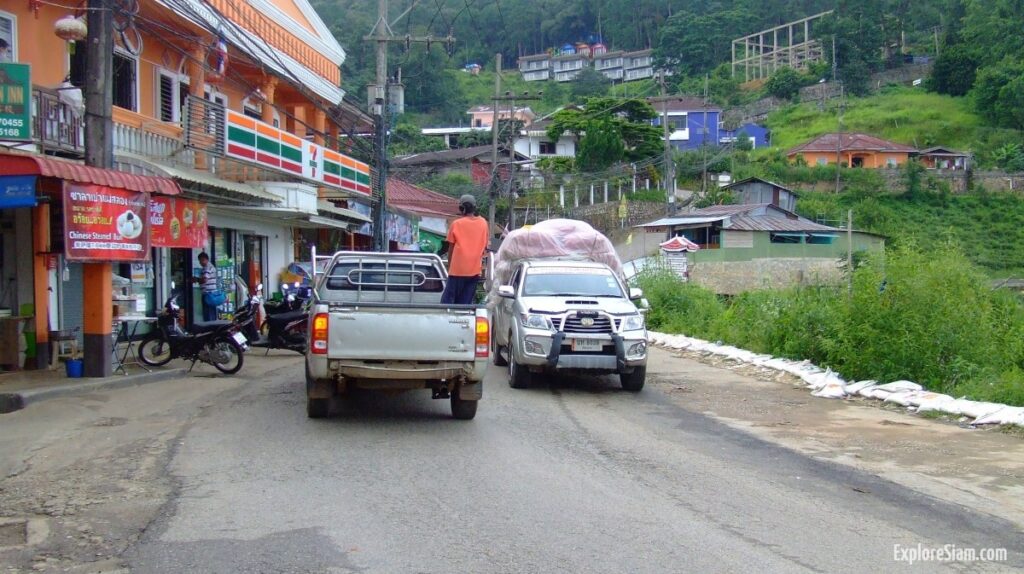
{"x":326,"y":207}
{"x":196,"y":177}
{"x":850,"y":142}
{"x":730,"y":209}
{"x":415,"y":198}
{"x":24,"y":164}
{"x":772,"y":223}
{"x":674,"y":221}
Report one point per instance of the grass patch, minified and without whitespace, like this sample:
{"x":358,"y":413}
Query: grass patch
{"x":926,"y":317}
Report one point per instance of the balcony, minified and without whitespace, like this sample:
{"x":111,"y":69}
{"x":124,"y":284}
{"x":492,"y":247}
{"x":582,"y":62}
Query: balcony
{"x":56,"y":128}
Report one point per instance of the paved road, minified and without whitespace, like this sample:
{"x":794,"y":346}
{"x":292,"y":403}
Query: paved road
{"x":575,"y":476}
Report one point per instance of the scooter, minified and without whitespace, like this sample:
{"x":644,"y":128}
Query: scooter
{"x":217,"y":343}
{"x":285,"y":330}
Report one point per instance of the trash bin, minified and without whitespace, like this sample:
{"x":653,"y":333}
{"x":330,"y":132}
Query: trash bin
{"x":73,"y":367}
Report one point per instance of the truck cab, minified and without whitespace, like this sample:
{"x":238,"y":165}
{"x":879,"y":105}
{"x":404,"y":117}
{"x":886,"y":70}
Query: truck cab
{"x":569,"y":316}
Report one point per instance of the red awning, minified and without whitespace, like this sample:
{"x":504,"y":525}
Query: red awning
{"x":20,"y":164}
{"x":677,"y":244}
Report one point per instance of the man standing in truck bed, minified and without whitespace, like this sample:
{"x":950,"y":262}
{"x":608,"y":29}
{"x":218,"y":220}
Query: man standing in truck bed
{"x":467,"y":239}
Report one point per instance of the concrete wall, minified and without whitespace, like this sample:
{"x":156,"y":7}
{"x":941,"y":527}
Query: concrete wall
{"x":734,"y":277}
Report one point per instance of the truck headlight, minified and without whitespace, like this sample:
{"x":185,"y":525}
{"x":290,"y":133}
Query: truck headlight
{"x":537,"y":322}
{"x":633,"y":323}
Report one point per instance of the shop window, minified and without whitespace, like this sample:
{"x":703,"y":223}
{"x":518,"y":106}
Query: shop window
{"x":8,"y":37}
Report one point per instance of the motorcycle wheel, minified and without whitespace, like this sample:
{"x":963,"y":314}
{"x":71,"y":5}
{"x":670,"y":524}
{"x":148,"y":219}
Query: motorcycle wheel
{"x":226,"y":355}
{"x":154,"y":351}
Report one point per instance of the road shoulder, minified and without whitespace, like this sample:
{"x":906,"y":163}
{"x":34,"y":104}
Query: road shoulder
{"x":982,"y":469}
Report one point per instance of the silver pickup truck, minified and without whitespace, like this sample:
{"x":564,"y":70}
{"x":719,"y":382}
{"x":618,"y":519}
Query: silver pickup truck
{"x":377,"y":323}
{"x":569,"y":316}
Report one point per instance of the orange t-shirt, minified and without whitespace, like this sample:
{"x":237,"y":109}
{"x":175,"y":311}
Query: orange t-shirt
{"x":468,"y":239}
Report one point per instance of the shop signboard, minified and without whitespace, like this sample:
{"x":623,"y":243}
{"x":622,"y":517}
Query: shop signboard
{"x":176,"y":222}
{"x":105,"y":223}
{"x":17,"y":191}
{"x":15,"y":102}
{"x":253,"y":141}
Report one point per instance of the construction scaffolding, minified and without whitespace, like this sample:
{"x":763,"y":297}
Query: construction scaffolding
{"x":760,"y":54}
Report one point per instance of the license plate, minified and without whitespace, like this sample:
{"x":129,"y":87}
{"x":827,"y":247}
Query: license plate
{"x":239,"y":338}
{"x":587,"y":345}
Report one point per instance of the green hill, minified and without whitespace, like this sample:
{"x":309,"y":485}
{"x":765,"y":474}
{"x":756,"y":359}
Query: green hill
{"x":907,"y":115}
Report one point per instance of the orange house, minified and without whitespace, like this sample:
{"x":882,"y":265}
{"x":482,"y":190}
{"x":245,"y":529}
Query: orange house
{"x":235,"y":108}
{"x":853,"y":150}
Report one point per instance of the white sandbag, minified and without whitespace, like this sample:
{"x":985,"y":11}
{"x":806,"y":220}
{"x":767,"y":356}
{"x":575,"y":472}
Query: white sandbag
{"x":855,"y":388}
{"x":926,"y":402}
{"x":977,"y":409}
{"x":830,"y":391}
{"x":901,"y":398}
{"x":897,"y":386}
{"x":1003,"y":416}
{"x":819,"y":380}
{"x":877,"y":393}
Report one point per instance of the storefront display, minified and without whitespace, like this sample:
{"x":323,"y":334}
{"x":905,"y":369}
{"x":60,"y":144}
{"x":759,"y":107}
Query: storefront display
{"x":178,"y":222}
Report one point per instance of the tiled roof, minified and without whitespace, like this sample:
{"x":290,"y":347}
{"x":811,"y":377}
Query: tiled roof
{"x":420,"y":200}
{"x":850,"y":142}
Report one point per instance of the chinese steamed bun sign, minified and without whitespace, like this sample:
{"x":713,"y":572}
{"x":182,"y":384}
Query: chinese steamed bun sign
{"x":253,"y":141}
{"x":105,"y":224}
{"x":15,"y":102}
{"x":177,"y":222}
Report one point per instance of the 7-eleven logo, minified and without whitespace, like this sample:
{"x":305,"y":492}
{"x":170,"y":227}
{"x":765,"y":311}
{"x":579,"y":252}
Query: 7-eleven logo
{"x":314,"y":163}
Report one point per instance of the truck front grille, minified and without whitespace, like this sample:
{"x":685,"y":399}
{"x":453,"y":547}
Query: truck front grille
{"x":574,"y":324}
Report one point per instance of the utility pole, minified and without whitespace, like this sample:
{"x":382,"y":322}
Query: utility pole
{"x":495,"y":171}
{"x":704,"y":143}
{"x":493,"y":189}
{"x":97,"y":278}
{"x":839,"y":114}
{"x":670,"y":166}
{"x":382,"y":35}
{"x":849,"y":248}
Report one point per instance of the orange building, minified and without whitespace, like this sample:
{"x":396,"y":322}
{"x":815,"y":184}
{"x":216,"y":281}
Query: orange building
{"x":853,"y":150}
{"x":229,"y":119}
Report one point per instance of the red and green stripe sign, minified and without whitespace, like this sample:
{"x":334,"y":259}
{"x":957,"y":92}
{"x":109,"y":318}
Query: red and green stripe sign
{"x":256,"y":142}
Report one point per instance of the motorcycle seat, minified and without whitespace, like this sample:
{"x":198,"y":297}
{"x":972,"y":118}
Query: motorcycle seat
{"x":208,"y":326}
{"x":282,"y":319}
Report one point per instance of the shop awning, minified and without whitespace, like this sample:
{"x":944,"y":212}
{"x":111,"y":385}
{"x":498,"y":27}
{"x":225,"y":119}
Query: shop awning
{"x":336,"y":217}
{"x":204,"y":183}
{"x":327,"y":208}
{"x":24,"y":164}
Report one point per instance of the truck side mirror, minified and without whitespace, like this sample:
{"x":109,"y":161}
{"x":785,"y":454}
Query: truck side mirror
{"x":507,"y":291}
{"x":635,"y":293}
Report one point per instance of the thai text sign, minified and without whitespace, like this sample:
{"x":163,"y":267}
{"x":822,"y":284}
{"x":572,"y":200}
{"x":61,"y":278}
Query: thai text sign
{"x":15,"y":102}
{"x":105,"y":223}
{"x":176,"y":222}
{"x":253,"y":141}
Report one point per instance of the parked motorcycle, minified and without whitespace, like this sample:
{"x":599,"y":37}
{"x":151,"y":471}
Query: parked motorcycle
{"x":217,"y":343}
{"x":284,"y":330}
{"x":295,"y":299}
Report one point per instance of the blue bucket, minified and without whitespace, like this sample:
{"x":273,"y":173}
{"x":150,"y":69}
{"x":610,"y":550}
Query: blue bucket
{"x":74,"y":368}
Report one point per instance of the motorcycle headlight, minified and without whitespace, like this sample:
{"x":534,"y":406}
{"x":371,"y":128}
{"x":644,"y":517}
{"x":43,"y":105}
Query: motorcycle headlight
{"x":537,"y":322}
{"x":633,"y":323}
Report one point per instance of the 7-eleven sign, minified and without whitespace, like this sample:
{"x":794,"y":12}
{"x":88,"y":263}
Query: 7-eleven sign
{"x":313,"y":162}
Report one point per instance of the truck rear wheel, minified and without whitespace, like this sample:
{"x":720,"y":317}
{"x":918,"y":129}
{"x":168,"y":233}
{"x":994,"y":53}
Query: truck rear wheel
{"x":317,"y":408}
{"x":463,"y":410}
{"x":496,"y":356}
{"x":634,"y":381}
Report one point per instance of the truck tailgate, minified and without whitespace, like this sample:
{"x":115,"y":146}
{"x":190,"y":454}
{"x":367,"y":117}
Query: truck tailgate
{"x":402,"y":333}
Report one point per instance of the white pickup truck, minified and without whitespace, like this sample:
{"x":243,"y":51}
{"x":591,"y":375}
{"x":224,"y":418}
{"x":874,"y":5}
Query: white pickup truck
{"x":377,"y":323}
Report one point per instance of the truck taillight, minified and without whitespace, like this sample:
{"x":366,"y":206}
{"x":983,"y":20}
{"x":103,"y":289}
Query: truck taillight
{"x":319,"y":340}
{"x":483,"y":337}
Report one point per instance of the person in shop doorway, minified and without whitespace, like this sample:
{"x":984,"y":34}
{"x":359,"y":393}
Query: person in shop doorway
{"x":208,"y":286}
{"x":467,"y":240}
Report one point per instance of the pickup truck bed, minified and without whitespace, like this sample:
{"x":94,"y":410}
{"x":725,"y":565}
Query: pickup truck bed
{"x":378,"y":324}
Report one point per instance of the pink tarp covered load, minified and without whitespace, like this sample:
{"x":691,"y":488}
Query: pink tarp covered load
{"x":553,"y":239}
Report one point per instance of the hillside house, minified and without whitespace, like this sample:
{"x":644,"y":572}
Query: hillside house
{"x":535,"y":68}
{"x":757,"y":191}
{"x":687,"y":119}
{"x":853,"y":150}
{"x":638,"y":65}
{"x":610,"y":64}
{"x":483,"y":116}
{"x":754,"y":246}
{"x":945,"y":159}
{"x":474,"y":162}
{"x":759,"y":136}
{"x":569,"y":65}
